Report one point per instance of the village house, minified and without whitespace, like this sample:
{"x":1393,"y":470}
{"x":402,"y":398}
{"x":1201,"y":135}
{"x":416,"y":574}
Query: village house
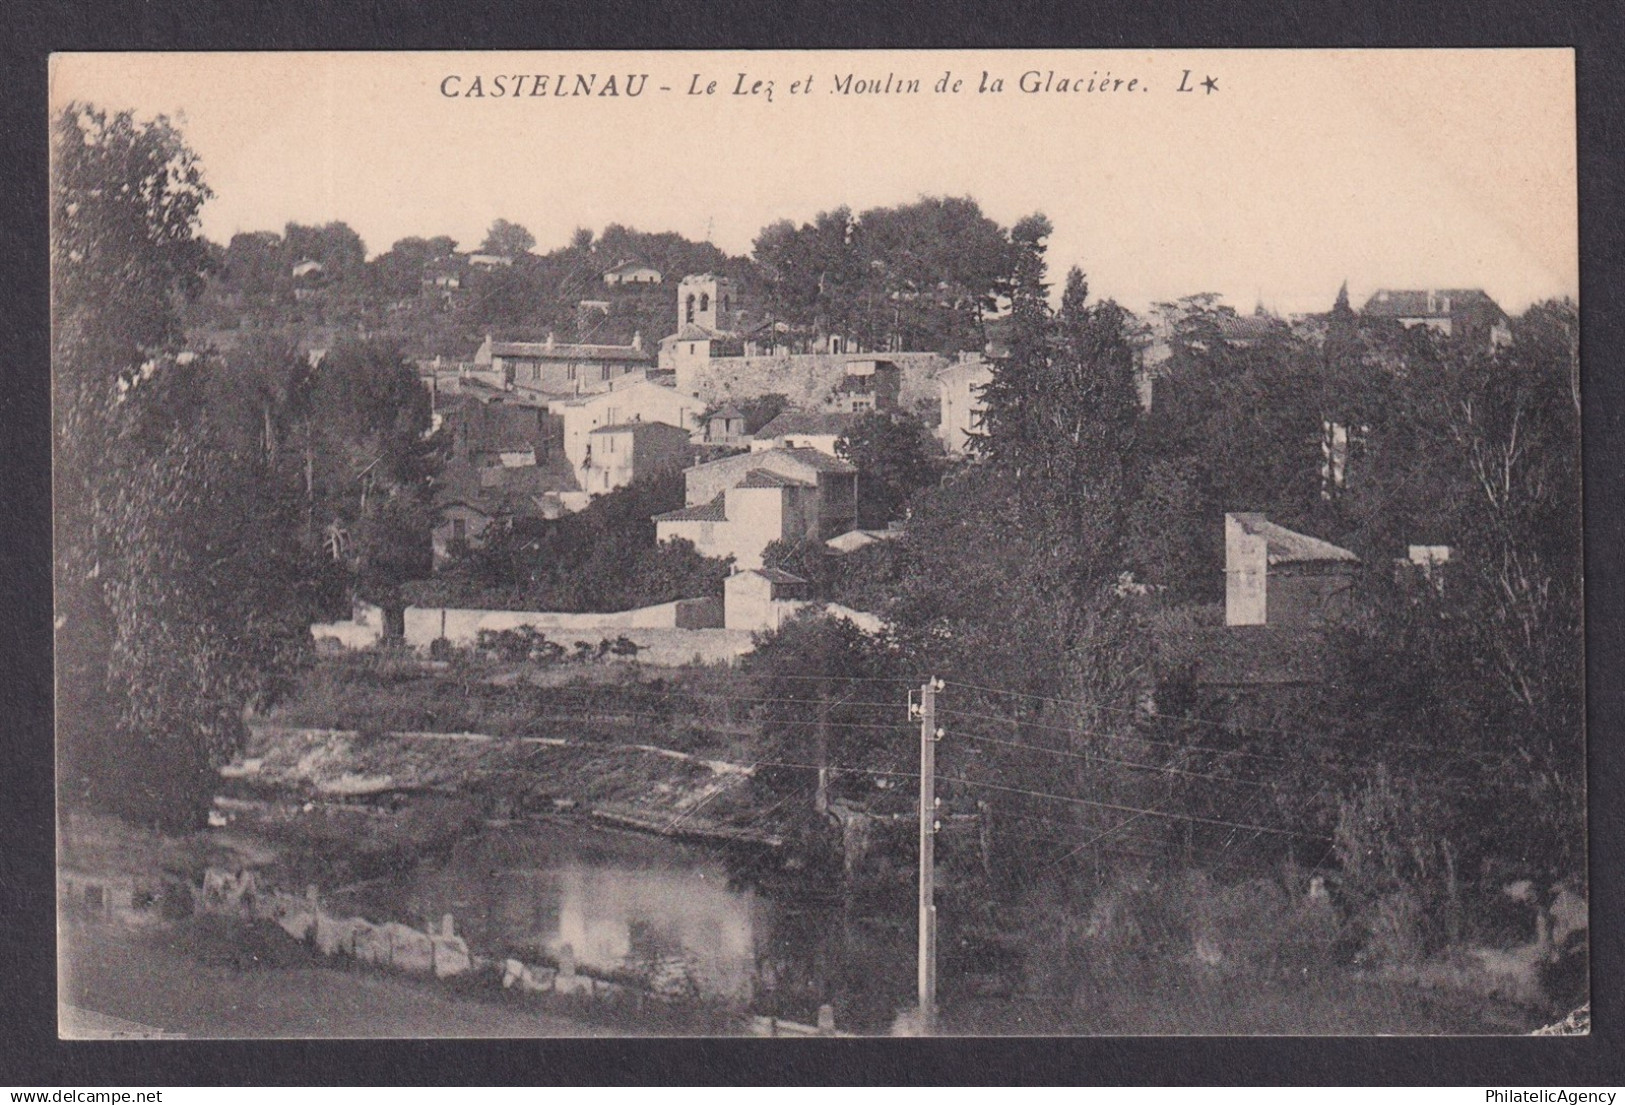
{"x":489,"y":261}
{"x":630,"y":398}
{"x":1466,"y":316}
{"x":761,"y":600}
{"x":726,"y":427}
{"x":870,"y":384}
{"x":631,"y":272}
{"x":1275,"y":576}
{"x":619,"y":453}
{"x":739,"y":505}
{"x":472,"y":502}
{"x":819,"y":430}
{"x":307,"y":269}
{"x":556,"y":368}
{"x":1269,"y":664}
{"x":960,"y":387}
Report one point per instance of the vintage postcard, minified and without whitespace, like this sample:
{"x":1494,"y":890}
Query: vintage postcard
{"x":1049,"y":543}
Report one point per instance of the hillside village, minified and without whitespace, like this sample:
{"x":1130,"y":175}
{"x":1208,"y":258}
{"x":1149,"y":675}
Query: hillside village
{"x":1246,"y":648}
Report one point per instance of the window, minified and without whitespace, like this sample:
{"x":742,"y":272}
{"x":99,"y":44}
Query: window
{"x":705,"y":301}
{"x":689,"y":314}
{"x":603,"y":373}
{"x":727,"y":304}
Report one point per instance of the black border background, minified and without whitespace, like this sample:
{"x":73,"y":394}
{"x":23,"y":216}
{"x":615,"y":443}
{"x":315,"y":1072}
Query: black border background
{"x":30,"y":1054}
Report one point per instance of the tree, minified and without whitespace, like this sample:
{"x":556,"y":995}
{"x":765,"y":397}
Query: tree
{"x":398,"y":274}
{"x":507,"y":239}
{"x":368,"y":466}
{"x":339,"y":250}
{"x":179,"y":576}
{"x":894,"y":455}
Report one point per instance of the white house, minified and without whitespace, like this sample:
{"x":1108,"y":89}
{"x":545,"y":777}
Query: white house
{"x":632,"y":272}
{"x":739,"y":505}
{"x":762,"y":599}
{"x":960,"y":386}
{"x":619,"y":453}
{"x":632,"y":398}
{"x":803,"y":430}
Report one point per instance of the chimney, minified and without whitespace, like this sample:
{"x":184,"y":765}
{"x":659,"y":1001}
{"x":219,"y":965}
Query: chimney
{"x":637,"y":339}
{"x":550,"y":339}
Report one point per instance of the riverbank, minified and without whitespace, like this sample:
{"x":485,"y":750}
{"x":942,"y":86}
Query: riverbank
{"x":207,"y":978}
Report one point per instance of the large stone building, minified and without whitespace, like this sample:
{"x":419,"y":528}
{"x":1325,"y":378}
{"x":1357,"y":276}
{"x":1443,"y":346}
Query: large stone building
{"x":556,"y":368}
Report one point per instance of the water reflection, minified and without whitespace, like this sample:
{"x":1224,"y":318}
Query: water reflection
{"x":659,"y":913}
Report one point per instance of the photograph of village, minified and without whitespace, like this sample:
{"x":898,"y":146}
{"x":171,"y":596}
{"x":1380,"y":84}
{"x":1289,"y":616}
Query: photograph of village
{"x":1099,"y":555}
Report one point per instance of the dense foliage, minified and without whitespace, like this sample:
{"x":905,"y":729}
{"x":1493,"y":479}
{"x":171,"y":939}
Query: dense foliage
{"x":602,"y":558}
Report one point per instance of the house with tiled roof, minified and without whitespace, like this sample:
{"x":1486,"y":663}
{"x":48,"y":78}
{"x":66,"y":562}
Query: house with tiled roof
{"x":558,"y":368}
{"x":631,"y":272}
{"x":619,"y":453}
{"x":762,"y":599}
{"x":726,"y":426}
{"x":470,"y":499}
{"x":1278,"y":577}
{"x":632,"y":398}
{"x":795,"y":429}
{"x":1271,"y":660}
{"x":1467,"y":316}
{"x":739,"y":505}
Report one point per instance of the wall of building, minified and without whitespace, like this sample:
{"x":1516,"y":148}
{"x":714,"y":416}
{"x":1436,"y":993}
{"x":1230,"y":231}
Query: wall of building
{"x":962,"y":407}
{"x":759,"y":516}
{"x":708,"y":538}
{"x":1246,"y":575}
{"x":806,"y":378}
{"x":751,"y":607}
{"x":1306,"y":596}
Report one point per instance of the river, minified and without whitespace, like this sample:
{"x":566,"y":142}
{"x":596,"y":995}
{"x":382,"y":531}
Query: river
{"x":674,"y":917}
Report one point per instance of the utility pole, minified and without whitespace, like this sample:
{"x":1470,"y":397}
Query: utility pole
{"x":929,"y":735}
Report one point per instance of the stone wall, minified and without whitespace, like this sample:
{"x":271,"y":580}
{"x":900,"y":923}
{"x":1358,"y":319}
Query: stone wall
{"x":806,"y":378}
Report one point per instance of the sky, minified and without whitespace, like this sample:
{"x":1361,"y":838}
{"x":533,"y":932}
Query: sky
{"x":1293,"y":172}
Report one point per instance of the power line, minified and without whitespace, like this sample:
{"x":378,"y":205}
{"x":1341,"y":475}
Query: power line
{"x":1107,"y":760}
{"x":1132,"y":809}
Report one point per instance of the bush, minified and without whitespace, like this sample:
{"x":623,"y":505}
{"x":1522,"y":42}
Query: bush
{"x":521,"y":644}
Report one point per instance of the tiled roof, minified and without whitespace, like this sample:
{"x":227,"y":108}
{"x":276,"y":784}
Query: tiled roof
{"x":818,"y":461}
{"x":713,"y":511}
{"x":1414,"y":303}
{"x":1248,"y":327}
{"x":693,"y":331}
{"x":567,"y":351}
{"x":1286,"y":546}
{"x":641,"y":429}
{"x":629,"y":266}
{"x":774,"y":575}
{"x":761,"y":477}
{"x":805,"y":422}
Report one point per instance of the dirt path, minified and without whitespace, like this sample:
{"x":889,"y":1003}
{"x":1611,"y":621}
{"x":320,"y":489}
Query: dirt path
{"x":192,"y":980}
